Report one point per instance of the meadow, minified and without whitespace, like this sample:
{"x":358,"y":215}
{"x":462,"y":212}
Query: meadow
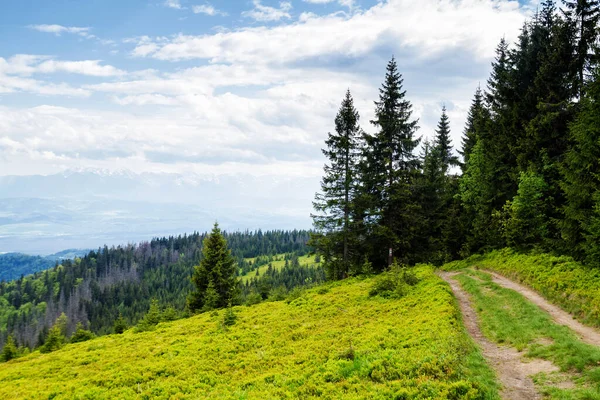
{"x":332,"y":341}
{"x":278,"y":263}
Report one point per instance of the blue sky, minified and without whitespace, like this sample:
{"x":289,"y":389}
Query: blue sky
{"x":225,"y":87}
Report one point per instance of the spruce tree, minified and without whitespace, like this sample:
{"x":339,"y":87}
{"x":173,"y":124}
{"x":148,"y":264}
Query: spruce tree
{"x":9,"y":351}
{"x":443,"y":144}
{"x":581,"y":181}
{"x":389,"y":170}
{"x":338,"y":190}
{"x":476,"y":121}
{"x":215,"y":278}
{"x":584,"y":16}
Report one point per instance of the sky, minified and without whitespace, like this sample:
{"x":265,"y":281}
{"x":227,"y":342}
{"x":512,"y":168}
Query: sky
{"x":226,"y":87}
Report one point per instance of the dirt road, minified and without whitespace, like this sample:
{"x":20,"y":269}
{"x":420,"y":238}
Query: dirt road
{"x":586,"y":334}
{"x":512,"y":371}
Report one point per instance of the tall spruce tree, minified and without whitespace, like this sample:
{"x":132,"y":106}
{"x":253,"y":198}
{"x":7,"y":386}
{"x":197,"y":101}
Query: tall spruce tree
{"x":443,"y":144}
{"x":476,"y":121}
{"x":338,"y":191}
{"x":581,"y":181}
{"x":584,"y":16}
{"x":215,"y":278}
{"x":389,"y":169}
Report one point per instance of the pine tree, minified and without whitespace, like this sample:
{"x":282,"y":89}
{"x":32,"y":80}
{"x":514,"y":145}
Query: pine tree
{"x":217,"y":272}
{"x":56,"y":336}
{"x":476,"y":121}
{"x":120,"y":325}
{"x":338,"y":190}
{"x":9,"y":351}
{"x":584,"y":16}
{"x":581,"y":180}
{"x":389,"y":170}
{"x":443,"y":144}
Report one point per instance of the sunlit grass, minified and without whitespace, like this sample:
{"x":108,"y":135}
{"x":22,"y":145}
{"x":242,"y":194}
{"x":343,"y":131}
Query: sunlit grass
{"x":334,"y":341}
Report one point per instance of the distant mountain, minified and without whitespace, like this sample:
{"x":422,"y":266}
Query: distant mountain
{"x":13,"y":265}
{"x":90,"y":208}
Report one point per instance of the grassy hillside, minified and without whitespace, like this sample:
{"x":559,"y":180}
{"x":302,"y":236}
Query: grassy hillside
{"x":278,"y":263}
{"x":560,"y":279}
{"x":334,"y":341}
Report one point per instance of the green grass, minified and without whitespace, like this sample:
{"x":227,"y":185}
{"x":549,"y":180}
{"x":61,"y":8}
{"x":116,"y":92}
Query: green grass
{"x":332,"y":342}
{"x":507,"y":317}
{"x":561,"y":280}
{"x":278,"y":264}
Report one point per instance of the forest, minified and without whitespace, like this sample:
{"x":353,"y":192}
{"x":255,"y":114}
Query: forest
{"x":121,"y":282}
{"x":528,"y":178}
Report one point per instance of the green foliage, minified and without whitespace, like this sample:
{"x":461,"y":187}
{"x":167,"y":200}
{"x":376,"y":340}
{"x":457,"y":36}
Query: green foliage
{"x":56,"y":336}
{"x":414,"y":346}
{"x":394,"y":283}
{"x":9,"y":351}
{"x":81,"y":334}
{"x":526,"y":224}
{"x":335,"y":204}
{"x":151,"y":319}
{"x":229,"y":317}
{"x":120,"y":325}
{"x":215,"y":278}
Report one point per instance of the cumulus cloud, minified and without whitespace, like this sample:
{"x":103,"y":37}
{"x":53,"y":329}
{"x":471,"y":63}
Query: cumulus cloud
{"x":264,"y":13}
{"x":428,"y":26}
{"x":262,"y":97}
{"x":207,"y":9}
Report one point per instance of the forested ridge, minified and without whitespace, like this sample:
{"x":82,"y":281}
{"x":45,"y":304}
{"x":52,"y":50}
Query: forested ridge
{"x":96,"y":289}
{"x":528,"y":178}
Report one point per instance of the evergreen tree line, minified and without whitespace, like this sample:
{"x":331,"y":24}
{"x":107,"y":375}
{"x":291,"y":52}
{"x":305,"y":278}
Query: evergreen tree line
{"x":528,"y":178}
{"x":119,"y":283}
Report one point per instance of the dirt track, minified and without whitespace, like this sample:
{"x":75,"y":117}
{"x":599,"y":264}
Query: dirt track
{"x":512,"y":371}
{"x":586,"y":334}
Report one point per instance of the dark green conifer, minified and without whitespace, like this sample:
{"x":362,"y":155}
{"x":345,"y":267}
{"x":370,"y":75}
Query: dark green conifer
{"x":215,"y":278}
{"x":334,"y":204}
{"x":389,"y":170}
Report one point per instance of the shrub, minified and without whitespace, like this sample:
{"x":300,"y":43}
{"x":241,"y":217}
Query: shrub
{"x":253,"y":298}
{"x":81,"y":334}
{"x":394,"y":283}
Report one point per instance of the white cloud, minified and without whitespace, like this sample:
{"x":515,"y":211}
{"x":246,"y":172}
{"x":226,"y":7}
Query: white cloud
{"x":428,"y":27}
{"x":28,"y":64}
{"x":207,"y":9}
{"x":173,"y":4}
{"x":58,"y":29}
{"x":264,"y":13}
{"x":262,"y":98}
{"x":344,"y":3}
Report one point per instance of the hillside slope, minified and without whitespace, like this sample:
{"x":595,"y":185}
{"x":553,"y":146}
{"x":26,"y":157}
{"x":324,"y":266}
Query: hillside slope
{"x":334,"y":341}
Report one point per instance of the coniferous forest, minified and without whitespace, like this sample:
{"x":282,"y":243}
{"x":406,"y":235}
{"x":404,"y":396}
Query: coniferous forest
{"x":528,"y":177}
{"x":118,"y":284}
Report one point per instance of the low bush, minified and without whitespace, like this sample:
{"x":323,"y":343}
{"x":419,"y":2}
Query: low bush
{"x":394,"y":283}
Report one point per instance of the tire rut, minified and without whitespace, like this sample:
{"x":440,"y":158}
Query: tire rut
{"x":587,"y":334}
{"x":512,"y":371}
